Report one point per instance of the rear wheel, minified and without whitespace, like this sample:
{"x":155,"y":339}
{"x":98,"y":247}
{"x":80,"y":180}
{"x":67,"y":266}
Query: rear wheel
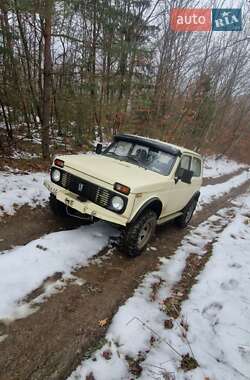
{"x":136,"y":237}
{"x":183,"y":220}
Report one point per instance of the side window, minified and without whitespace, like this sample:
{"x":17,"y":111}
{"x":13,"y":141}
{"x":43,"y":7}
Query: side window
{"x":196,"y":167}
{"x":184,"y":164}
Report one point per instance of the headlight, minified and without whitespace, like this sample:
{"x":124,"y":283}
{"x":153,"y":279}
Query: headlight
{"x":117,"y":203}
{"x":56,"y":175}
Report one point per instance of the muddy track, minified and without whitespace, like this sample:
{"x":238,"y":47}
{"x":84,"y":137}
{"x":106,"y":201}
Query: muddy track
{"x":49,"y":344}
{"x":28,"y":224}
{"x":221,"y":179}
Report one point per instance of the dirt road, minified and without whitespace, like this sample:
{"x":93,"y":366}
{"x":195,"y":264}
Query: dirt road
{"x":50,"y":343}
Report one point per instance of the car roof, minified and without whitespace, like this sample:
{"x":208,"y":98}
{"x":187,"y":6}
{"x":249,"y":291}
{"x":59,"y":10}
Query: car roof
{"x":157,"y":144}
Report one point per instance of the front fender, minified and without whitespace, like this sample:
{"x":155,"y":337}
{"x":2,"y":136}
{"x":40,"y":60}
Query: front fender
{"x":153,"y":202}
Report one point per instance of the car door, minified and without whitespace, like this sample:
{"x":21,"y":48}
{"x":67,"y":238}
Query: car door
{"x":180,"y":192}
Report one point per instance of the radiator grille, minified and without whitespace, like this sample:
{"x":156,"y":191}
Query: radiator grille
{"x":88,"y":191}
{"x":102,"y":197}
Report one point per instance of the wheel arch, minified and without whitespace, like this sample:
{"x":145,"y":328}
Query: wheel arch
{"x":154,"y":204}
{"x":195,"y":196}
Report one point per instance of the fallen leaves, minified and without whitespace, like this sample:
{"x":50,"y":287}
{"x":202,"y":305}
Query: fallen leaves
{"x":155,"y":288}
{"x":90,"y":376}
{"x":107,"y":354}
{"x":134,"y":365}
{"x":103,"y":322}
{"x":168,"y":324}
{"x":188,"y":363}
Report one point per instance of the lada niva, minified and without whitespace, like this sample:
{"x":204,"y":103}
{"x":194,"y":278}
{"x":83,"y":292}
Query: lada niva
{"x":135,"y":182}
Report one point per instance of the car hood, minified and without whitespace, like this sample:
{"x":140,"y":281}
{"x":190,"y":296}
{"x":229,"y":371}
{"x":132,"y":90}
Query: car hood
{"x":111,"y":170}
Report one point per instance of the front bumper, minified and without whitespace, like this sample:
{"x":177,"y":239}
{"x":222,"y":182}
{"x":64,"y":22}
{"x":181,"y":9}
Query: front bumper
{"x":70,"y":199}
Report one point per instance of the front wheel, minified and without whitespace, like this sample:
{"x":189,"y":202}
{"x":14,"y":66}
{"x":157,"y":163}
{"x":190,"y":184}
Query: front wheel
{"x":136,"y":236}
{"x":183,"y":220}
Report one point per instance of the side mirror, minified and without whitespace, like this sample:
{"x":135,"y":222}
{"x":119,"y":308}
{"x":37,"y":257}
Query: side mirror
{"x":184,"y":175}
{"x":187,"y":176}
{"x":98,"y":148}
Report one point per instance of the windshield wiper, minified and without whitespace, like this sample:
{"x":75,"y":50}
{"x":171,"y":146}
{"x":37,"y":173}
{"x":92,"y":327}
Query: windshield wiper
{"x":111,"y":153}
{"x":126,"y":158}
{"x":116,"y":156}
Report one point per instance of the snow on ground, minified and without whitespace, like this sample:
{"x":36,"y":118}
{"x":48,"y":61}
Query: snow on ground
{"x":217,"y":312}
{"x":18,"y":189}
{"x":18,"y":154}
{"x":25,"y":268}
{"x":218,"y":309}
{"x":2,"y":125}
{"x":216,"y":167}
{"x":213,"y":192}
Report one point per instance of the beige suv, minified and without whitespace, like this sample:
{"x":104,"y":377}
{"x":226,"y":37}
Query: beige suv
{"x":135,"y":182}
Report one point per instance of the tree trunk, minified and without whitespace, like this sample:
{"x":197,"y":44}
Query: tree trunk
{"x":47,"y":78}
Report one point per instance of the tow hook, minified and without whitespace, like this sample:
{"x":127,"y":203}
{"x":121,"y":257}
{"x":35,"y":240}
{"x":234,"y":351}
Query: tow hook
{"x":89,"y":217}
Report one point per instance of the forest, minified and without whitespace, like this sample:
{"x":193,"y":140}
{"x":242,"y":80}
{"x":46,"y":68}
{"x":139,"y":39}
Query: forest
{"x":73,"y":71}
{"x":133,"y":263}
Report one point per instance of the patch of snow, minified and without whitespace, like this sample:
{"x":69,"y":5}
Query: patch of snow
{"x":105,"y":143}
{"x":18,"y":189}
{"x":34,"y":140}
{"x":216,"y":167}
{"x":19,"y":154}
{"x":3,"y":337}
{"x":140,"y":317}
{"x":217,"y":311}
{"x":213,"y":192}
{"x":25,"y":268}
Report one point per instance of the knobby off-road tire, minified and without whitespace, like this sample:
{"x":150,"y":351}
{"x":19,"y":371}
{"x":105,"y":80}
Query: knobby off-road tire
{"x":136,"y":236}
{"x":183,"y":220}
{"x":58,"y":208}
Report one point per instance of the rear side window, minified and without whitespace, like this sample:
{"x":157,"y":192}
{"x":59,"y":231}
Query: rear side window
{"x":184,"y":165}
{"x":196,"y":167}
{"x":185,"y":162}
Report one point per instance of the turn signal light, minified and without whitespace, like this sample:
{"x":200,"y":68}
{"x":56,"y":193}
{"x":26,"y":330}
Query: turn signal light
{"x":121,"y":188}
{"x":59,"y":163}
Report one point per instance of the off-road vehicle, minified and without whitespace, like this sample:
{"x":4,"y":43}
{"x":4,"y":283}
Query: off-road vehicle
{"x":135,"y":182}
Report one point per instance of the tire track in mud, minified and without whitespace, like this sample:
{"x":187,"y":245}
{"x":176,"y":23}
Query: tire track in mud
{"x":214,"y":181}
{"x":50,"y":343}
{"x":29,"y":224}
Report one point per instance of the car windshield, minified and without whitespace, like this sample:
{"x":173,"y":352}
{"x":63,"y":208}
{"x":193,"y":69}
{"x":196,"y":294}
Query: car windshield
{"x":142,"y":155}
